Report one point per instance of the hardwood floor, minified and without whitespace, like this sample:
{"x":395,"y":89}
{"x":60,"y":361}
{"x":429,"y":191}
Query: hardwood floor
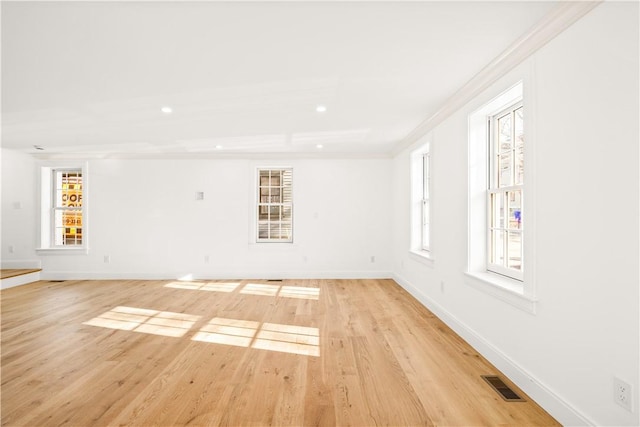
{"x":253,"y":353}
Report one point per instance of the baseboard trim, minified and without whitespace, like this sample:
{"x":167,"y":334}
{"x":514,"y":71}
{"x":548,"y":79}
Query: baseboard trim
{"x":92,"y":275}
{"x":543,"y":395}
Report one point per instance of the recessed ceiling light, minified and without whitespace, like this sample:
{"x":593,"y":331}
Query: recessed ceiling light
{"x":319,"y":146}
{"x":321,"y":108}
{"x":218,"y":147}
{"x":166,"y":110}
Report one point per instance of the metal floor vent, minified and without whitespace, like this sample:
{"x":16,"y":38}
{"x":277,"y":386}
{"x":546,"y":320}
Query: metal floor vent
{"x":56,"y":281}
{"x":503,"y":390}
{"x":274,"y":280}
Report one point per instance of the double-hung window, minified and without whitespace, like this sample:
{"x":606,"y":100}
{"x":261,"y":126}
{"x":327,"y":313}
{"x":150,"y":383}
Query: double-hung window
{"x":505,"y":192}
{"x":421,"y":200}
{"x":63,"y":208}
{"x":425,"y":214}
{"x":275,"y":205}
{"x":67,"y":207}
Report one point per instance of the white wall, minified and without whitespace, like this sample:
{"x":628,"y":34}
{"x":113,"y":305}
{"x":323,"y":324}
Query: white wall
{"x":19,"y":204}
{"x":144,"y":216}
{"x":585,"y":130}
{"x":586,"y":329}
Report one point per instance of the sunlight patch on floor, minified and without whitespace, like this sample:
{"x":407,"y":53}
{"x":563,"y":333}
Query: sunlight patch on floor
{"x":147,"y":321}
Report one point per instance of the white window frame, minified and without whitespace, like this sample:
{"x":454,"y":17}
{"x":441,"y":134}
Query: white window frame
{"x":520,"y":293}
{"x":258,"y":203}
{"x":421,"y":201}
{"x":494,"y":188}
{"x":46,"y":229}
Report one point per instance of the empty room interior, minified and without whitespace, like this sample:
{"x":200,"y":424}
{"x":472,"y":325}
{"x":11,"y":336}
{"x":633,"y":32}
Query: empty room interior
{"x":320,"y":213}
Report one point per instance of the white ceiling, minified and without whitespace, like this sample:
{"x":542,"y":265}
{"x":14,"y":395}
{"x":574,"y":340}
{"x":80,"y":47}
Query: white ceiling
{"x":90,"y":78}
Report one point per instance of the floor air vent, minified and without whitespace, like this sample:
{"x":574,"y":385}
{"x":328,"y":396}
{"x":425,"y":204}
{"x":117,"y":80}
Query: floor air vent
{"x":503,"y":390}
{"x":56,"y":281}
{"x":274,"y":280}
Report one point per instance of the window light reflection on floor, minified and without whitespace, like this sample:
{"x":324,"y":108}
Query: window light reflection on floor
{"x":154,"y":322}
{"x":204,"y":286}
{"x":270,"y":336}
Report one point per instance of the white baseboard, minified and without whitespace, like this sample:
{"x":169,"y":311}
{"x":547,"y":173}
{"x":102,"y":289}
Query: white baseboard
{"x":543,"y":395}
{"x":93,"y":275}
{"x":23,"y":279}
{"x":19,"y":264}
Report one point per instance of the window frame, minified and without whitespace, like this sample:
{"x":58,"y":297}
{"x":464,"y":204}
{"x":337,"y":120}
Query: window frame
{"x":47,"y":193}
{"x":421,"y":201}
{"x":494,"y":188}
{"x":518,"y":293}
{"x":258,"y":204}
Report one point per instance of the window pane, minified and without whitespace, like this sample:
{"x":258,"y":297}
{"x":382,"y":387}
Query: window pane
{"x":275,"y":195}
{"x":263,"y":230}
{"x":497,"y":247}
{"x":274,"y":231}
{"x":504,"y":169}
{"x":497,"y":210}
{"x":504,"y":133}
{"x":519,"y":164}
{"x":68,"y":227}
{"x":286,"y":229}
{"x":515,"y":250}
{"x":263,"y":212}
{"x":264,"y":178}
{"x":515,"y":209}
{"x":425,"y":224}
{"x":274,"y":213}
{"x":519,"y":127}
{"x":286,"y":213}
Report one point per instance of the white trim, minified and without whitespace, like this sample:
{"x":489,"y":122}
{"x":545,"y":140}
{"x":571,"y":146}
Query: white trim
{"x":422,"y":256}
{"x":62,"y":251}
{"x":504,"y":288}
{"x":23,"y":279}
{"x":559,"y":19}
{"x":240,"y":274}
{"x":536,"y":389}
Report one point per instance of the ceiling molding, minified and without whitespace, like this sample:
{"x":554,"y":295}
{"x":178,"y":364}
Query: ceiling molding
{"x":210,"y":156}
{"x":555,"y":22}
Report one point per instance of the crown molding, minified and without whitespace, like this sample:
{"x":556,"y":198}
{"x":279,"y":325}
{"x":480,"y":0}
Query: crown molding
{"x":561,"y":17}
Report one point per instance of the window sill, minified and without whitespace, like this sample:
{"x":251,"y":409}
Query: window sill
{"x":423,"y":257}
{"x":62,"y":251}
{"x":508,"y":290}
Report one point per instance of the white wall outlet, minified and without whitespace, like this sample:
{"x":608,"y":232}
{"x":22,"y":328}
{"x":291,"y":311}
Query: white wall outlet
{"x":373,"y":258}
{"x":442,"y":286}
{"x":107,"y":259}
{"x":17,"y":205}
{"x":207,"y":259}
{"x":199,"y":195}
{"x":623,"y":394}
{"x":11,"y":249}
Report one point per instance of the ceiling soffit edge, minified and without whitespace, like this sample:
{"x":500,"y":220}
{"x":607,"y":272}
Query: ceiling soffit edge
{"x":561,"y":17}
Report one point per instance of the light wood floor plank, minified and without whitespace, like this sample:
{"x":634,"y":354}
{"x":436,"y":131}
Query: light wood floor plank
{"x":239,"y":353}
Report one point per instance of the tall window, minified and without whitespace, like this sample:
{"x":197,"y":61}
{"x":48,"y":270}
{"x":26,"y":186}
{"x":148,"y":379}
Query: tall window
{"x":63,"y":208}
{"x":426,"y":220}
{"x":505,"y":193}
{"x":421,"y":201}
{"x":67,"y":207}
{"x":275,"y":205}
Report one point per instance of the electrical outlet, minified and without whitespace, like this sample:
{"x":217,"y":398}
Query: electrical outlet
{"x":11,"y":249}
{"x":373,"y":258}
{"x":622,"y":394}
{"x":107,"y":259}
{"x":207,"y":259}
